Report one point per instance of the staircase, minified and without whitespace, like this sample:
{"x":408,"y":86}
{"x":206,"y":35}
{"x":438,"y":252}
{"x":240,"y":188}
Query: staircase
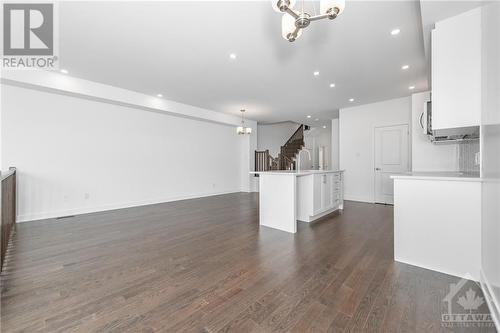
{"x":286,"y":158}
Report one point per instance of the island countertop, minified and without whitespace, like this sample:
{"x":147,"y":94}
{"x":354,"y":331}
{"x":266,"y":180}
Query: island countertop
{"x":294,"y":172}
{"x":443,"y":175}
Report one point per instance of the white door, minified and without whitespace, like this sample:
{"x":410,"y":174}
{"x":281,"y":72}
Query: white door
{"x":391,"y":157}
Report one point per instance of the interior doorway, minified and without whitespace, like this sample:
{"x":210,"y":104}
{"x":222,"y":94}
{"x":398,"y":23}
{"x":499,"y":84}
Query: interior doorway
{"x":391,"y":157}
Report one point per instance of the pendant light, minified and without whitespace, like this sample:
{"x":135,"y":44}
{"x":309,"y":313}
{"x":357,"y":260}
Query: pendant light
{"x":243,"y":129}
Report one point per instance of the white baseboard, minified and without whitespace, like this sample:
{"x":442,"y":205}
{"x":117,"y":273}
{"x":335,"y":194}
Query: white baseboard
{"x":469,"y":276}
{"x":491,"y":299}
{"x":85,"y":210}
{"x":358,"y":198}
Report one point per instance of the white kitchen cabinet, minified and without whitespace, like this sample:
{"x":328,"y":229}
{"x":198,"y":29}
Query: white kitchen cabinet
{"x":437,"y":222}
{"x":319,"y":194}
{"x":326,"y":191}
{"x":456,"y":71}
{"x":317,"y":189}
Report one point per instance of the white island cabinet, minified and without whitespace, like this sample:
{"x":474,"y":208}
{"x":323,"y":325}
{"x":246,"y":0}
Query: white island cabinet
{"x":319,"y":194}
{"x":287,"y":196}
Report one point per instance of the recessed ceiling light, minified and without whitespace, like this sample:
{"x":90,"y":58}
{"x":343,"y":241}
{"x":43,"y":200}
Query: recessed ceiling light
{"x":232,"y":55}
{"x":405,"y":67}
{"x":324,"y":126}
{"x":351,"y":99}
{"x":395,"y":32}
{"x":64,"y":71}
{"x":159,"y":95}
{"x":316,"y":73}
{"x":411,"y":87}
{"x":316,"y":119}
{"x":332,"y":85}
{"x":308,"y":116}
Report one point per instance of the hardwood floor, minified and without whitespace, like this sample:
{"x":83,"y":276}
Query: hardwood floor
{"x":204,"y":265}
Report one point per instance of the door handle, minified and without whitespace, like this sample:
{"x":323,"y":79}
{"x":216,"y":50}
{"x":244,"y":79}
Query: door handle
{"x":377,"y":169}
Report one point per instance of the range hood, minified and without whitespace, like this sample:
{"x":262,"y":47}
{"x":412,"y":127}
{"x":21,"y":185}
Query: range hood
{"x":448,"y":135}
{"x":453,"y":135}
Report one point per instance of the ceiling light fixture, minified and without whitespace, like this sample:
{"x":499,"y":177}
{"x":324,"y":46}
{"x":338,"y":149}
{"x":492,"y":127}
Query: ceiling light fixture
{"x":294,"y":21}
{"x":405,"y":67}
{"x":232,"y":56}
{"x":308,"y":116}
{"x":316,"y":73}
{"x":159,"y":95}
{"x":351,"y":100}
{"x":64,"y":71}
{"x":411,"y":87}
{"x":324,"y":126}
{"x":332,"y":85}
{"x":395,"y":32}
{"x":242,"y":129}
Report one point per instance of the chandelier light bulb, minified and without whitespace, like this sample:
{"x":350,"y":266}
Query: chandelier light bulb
{"x":333,"y":8}
{"x":288,"y":28}
{"x":278,"y":5}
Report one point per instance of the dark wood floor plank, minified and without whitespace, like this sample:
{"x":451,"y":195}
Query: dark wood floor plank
{"x":205,"y":265}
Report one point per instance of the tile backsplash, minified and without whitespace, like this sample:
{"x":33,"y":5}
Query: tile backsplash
{"x":467,"y":156}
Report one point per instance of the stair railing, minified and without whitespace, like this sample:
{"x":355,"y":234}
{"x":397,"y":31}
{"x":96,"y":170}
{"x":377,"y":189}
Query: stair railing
{"x":8,"y":211}
{"x":285,"y":160}
{"x":294,"y":143}
{"x":297,"y":135}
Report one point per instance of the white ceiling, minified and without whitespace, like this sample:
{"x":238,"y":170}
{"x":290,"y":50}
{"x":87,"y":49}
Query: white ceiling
{"x":181,"y":50}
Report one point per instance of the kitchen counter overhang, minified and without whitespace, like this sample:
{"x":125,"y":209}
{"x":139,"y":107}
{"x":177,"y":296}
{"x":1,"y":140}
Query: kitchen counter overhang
{"x":440,"y":175}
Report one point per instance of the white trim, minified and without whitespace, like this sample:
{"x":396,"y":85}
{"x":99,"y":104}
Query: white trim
{"x":87,"y":210}
{"x":493,"y":303}
{"x":467,"y":276}
{"x":313,"y":218}
{"x":358,"y":198}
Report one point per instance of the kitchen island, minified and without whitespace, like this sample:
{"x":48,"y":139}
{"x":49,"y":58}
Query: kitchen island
{"x":286,"y":196}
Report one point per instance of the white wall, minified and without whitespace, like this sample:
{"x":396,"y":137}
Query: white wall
{"x":427,"y":156}
{"x":356,"y":142}
{"x":335,"y":160}
{"x":273,"y":136}
{"x":77,"y":155}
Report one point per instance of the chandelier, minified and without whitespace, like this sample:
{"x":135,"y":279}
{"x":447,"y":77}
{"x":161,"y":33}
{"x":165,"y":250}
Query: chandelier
{"x":242,"y":129}
{"x":294,"y":21}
